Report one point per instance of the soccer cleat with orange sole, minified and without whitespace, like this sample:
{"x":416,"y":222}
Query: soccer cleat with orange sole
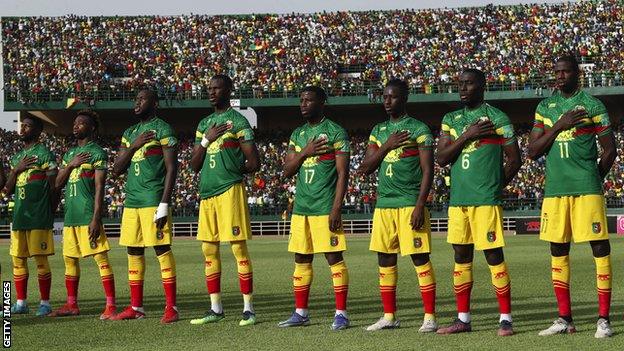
{"x":109,"y":311}
{"x":66,"y":310}
{"x":128,"y":313}
{"x":171,"y":315}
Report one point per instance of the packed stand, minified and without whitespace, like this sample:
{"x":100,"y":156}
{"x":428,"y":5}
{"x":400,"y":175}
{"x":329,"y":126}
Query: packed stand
{"x":98,"y":57}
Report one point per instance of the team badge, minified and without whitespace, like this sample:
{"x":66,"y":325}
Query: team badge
{"x":596,"y":227}
{"x":44,"y":245}
{"x":417,"y":242}
{"x":491,"y":236}
{"x":333,"y":241}
{"x":93,"y":244}
{"x":160,"y":235}
{"x":236,"y":230}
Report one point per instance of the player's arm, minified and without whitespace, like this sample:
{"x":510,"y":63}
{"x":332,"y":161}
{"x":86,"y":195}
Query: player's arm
{"x":294,"y":159}
{"x":609,"y":153}
{"x":122,"y":162}
{"x":65,"y":172}
{"x":426,"y":165}
{"x":170,"y":157}
{"x":21,"y":166}
{"x":199,"y":151}
{"x":342,"y":171}
{"x":96,"y":221}
{"x":448,"y":149}
{"x":375,"y":154}
{"x":513,"y":160}
{"x":252,"y":158}
{"x":541,"y":139}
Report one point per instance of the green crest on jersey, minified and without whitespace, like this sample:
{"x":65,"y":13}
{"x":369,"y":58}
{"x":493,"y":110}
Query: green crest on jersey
{"x":596,"y":227}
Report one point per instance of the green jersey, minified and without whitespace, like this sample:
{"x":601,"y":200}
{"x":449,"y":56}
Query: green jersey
{"x":571,"y":162}
{"x":33,"y":209}
{"x":317,"y":176}
{"x":477,"y":174}
{"x":224,"y":157}
{"x":80,"y":188}
{"x":146,"y":175}
{"x":399,"y":173}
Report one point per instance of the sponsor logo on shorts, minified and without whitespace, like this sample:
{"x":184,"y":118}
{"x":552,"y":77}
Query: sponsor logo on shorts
{"x":596,"y":227}
{"x":603,"y":277}
{"x":424,"y":274}
{"x":44,"y":245}
{"x":417,"y":243}
{"x":236,"y":230}
{"x":160,"y":235}
{"x":333,"y":241}
{"x":93,"y":244}
{"x":491,"y":236}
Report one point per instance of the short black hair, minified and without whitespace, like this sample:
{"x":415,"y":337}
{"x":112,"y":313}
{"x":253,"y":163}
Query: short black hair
{"x":152,"y":93}
{"x":399,"y":84}
{"x":571,"y":59}
{"x":92,"y":115}
{"x":477,"y":73}
{"x":320,"y":92}
{"x":225,"y":79}
{"x":36,"y":121}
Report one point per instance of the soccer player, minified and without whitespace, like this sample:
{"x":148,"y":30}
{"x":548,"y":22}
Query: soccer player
{"x":318,"y":153}
{"x":83,"y":174}
{"x":565,"y":131}
{"x":473,"y":141}
{"x":148,"y":154}
{"x":401,"y":150}
{"x":32,"y":178}
{"x":224,"y":152}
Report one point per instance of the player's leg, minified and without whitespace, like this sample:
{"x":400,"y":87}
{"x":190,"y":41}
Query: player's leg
{"x":302,"y":279}
{"x":340,"y":281}
{"x":387,"y":287}
{"x":245,"y":280}
{"x":601,"y":250}
{"x":71,"y":254}
{"x":462,"y":285}
{"x":136,"y":276}
{"x":502,"y":285}
{"x":44,"y":275}
{"x":20,"y":278}
{"x":212,"y":270}
{"x":169,"y":282}
{"x":108,"y":283}
{"x":427,"y":284}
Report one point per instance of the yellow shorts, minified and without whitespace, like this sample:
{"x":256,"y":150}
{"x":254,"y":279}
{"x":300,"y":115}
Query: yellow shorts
{"x":35,"y":242}
{"x":225,"y":217}
{"x":393,"y":233}
{"x":579,"y":218}
{"x":139,"y":230}
{"x":311,"y":234}
{"x":76,"y":242}
{"x":478,"y":225}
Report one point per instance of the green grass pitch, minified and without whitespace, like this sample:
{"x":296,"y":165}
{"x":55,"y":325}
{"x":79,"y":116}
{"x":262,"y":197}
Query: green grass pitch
{"x":533,"y":301}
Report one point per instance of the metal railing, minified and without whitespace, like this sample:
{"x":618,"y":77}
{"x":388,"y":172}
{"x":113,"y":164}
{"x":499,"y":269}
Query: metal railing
{"x":371,"y":89}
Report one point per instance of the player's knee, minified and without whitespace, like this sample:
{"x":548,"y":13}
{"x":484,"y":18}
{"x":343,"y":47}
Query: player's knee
{"x":463,"y":253}
{"x":333,"y":257}
{"x":494,"y":257}
{"x":136,"y":251}
{"x":559,"y":249}
{"x":162,"y":249}
{"x":302,"y":258}
{"x":386,"y":260}
{"x":210,"y":249}
{"x":600,"y":248}
{"x":239,"y":249}
{"x":420,"y":259}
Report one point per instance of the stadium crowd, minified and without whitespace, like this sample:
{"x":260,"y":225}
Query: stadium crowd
{"x":270,"y":194}
{"x":342,"y":51}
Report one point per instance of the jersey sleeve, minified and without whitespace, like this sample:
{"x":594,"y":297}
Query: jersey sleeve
{"x":201,"y":130}
{"x":125,"y":139}
{"x":166,"y":136}
{"x":504,"y":129}
{"x":292,"y":143}
{"x":424,"y":139}
{"x":65,"y":159}
{"x":100,"y":160}
{"x":445,"y":130}
{"x":373,"y":139}
{"x":538,"y":122}
{"x":341,"y":143}
{"x":600,"y":118}
{"x":244,"y":131}
{"x":48,"y":163}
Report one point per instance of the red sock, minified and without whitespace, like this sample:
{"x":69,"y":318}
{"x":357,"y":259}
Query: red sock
{"x":45,"y":282}
{"x":213,"y":283}
{"x":302,"y":294}
{"x":108,"y":282}
{"x":136,"y":293}
{"x":388,"y":298}
{"x":245,"y":281}
{"x":71,"y":283}
{"x":21,"y":286}
{"x":169,"y":285}
{"x":462,"y":284}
